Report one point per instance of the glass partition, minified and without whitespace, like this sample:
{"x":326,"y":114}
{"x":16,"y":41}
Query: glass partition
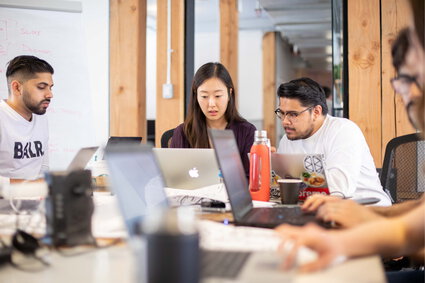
{"x":339,"y":61}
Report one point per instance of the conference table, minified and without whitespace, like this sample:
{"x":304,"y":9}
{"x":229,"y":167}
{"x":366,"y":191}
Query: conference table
{"x":120,"y":263}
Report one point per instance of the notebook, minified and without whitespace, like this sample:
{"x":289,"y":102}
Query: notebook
{"x":237,"y":189}
{"x":137,"y":181}
{"x":188,"y":168}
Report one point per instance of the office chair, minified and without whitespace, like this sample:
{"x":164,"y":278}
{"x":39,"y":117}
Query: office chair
{"x":402,"y":173}
{"x":166,"y":138}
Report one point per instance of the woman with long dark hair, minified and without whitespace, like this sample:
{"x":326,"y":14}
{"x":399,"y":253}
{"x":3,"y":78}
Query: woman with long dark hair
{"x":212,"y":106}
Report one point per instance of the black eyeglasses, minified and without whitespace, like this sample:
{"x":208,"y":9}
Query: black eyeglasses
{"x":291,"y":115}
{"x":402,"y":83}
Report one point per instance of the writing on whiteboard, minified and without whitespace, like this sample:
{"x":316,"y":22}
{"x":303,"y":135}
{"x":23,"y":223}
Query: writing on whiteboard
{"x":27,"y":49}
{"x":25,"y":31}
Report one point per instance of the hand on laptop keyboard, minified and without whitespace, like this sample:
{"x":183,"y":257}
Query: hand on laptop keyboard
{"x":217,"y":236}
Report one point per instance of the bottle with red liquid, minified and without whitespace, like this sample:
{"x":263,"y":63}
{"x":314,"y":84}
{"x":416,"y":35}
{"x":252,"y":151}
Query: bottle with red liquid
{"x":259,"y":168}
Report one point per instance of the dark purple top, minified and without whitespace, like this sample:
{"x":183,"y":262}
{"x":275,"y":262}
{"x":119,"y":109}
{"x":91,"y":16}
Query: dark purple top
{"x":244,"y":134}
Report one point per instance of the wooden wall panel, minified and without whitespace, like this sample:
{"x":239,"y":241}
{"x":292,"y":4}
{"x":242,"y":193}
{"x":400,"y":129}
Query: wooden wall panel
{"x":389,"y":32}
{"x":403,"y":19}
{"x":269,"y":86}
{"x":394,"y":119}
{"x":364,"y":61}
{"x":374,"y":106}
{"x":229,"y":29}
{"x":127,"y":68}
{"x":170,"y":112}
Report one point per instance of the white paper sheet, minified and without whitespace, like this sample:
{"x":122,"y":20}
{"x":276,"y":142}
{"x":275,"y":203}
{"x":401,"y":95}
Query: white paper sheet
{"x":216,"y":192}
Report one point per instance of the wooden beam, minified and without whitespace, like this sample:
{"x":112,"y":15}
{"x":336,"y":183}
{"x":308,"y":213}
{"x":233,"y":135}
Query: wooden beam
{"x":127,"y":68}
{"x":389,"y":32}
{"x":269,"y":86}
{"x":395,"y":15}
{"x":169,"y":112}
{"x":364,"y":61}
{"x":229,"y":30}
{"x":403,"y":19}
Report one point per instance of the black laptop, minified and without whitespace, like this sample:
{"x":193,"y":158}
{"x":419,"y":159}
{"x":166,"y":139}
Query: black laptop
{"x":243,"y":211}
{"x":113,"y":141}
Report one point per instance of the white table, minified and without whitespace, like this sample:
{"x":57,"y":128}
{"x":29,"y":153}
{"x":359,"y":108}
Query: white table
{"x":119,"y":264}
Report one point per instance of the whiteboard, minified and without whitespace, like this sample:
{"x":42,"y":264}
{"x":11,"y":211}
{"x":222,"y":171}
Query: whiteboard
{"x":58,"y":38}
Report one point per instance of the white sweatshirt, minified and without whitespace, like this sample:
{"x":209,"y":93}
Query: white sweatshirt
{"x":23,"y":145}
{"x":349,"y":166}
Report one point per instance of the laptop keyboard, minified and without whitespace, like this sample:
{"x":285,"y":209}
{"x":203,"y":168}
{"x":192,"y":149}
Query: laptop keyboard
{"x":222,"y":264}
{"x":292,"y":215}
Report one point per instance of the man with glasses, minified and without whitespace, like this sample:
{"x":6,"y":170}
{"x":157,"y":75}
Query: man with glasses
{"x":407,"y":53}
{"x":349,"y":166}
{"x":401,"y":231}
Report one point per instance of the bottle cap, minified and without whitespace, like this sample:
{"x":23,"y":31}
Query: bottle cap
{"x":261,"y":134}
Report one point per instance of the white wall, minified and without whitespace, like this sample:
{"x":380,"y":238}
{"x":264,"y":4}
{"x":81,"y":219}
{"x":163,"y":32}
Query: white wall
{"x":207,"y":48}
{"x":96,"y":26}
{"x":207,"y":33}
{"x":150,"y":73}
{"x":250,"y":79}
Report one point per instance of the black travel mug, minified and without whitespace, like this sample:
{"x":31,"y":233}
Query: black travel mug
{"x":172,"y":246}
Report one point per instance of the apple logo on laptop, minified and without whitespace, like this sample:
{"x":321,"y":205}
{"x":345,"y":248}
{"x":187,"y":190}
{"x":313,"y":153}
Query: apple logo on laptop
{"x":194,"y":173}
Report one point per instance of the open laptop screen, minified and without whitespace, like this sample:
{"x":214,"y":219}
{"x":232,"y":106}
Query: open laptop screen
{"x":81,"y":158}
{"x":188,"y":168}
{"x":123,"y":140}
{"x":136,"y":180}
{"x":228,"y":157}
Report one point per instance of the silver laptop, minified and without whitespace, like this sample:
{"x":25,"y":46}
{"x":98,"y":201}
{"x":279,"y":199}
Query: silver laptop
{"x":188,"y":168}
{"x":310,"y":168}
{"x":81,"y":158}
{"x":137,"y":182}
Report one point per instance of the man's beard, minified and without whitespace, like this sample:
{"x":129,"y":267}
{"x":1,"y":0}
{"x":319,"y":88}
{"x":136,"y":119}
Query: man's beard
{"x":35,"y":107}
{"x":302,"y":136}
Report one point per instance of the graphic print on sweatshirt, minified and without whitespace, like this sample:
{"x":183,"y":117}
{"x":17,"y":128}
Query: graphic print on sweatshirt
{"x":30,"y":149}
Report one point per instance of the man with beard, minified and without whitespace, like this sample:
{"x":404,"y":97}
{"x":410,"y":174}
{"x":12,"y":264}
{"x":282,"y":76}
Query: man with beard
{"x":349,"y":167}
{"x":401,"y":231}
{"x":23,"y":128}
